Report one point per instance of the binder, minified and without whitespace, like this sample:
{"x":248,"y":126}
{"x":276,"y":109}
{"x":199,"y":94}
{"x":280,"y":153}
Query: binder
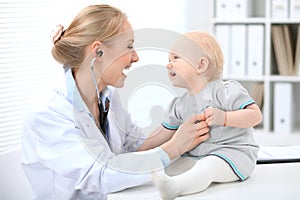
{"x":238,"y":50}
{"x":297,"y":53}
{"x":283,"y":108}
{"x":289,"y":49}
{"x":257,"y":93}
{"x":283,"y":49}
{"x":255,"y":55}
{"x":233,"y":8}
{"x":295,"y":9}
{"x":242,"y":8}
{"x":280,"y":9}
{"x":222,"y":33}
{"x":223,"y":9}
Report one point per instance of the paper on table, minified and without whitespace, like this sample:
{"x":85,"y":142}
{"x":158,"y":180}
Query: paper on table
{"x":279,"y":152}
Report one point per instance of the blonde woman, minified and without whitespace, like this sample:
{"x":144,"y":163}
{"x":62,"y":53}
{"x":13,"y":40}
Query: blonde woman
{"x":78,"y":142}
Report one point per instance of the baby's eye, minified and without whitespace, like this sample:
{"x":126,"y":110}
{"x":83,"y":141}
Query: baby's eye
{"x":130,"y":46}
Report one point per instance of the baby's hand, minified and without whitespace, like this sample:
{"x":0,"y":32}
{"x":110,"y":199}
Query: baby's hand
{"x":214,"y":116}
{"x":200,"y":117}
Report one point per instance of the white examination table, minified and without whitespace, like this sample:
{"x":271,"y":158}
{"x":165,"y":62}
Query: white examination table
{"x":269,"y":181}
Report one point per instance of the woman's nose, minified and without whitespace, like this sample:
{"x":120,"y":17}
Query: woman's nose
{"x":134,"y":56}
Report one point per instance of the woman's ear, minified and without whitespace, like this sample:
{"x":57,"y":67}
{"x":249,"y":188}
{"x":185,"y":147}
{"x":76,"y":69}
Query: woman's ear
{"x":96,"y":49}
{"x":202,"y":65}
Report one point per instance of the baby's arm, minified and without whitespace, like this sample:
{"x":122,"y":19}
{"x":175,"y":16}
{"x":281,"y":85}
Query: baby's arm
{"x":245,"y":118}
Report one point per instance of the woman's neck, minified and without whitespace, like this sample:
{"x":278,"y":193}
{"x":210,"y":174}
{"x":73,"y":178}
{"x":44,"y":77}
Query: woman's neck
{"x":87,"y":90}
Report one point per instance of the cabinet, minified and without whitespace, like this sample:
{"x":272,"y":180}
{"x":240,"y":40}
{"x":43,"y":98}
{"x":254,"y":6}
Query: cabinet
{"x":259,"y":15}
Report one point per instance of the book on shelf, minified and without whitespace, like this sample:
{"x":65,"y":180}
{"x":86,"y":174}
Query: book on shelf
{"x":297,"y":53}
{"x":287,"y":32}
{"x":283,"y":49}
{"x":257,"y":93}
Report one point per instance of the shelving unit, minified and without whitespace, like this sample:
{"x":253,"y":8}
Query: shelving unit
{"x":262,"y":15}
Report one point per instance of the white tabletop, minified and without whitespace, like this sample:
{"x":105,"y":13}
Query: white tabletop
{"x":269,"y":181}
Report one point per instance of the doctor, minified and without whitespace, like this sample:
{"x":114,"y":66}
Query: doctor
{"x":78,"y":142}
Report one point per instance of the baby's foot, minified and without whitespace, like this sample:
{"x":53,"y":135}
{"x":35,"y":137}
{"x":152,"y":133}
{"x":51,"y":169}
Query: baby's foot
{"x":166,"y":185}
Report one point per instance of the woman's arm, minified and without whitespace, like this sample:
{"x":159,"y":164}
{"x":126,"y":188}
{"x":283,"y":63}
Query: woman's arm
{"x":176,"y":142}
{"x":159,"y":136}
{"x":189,"y":134}
{"x":245,"y":118}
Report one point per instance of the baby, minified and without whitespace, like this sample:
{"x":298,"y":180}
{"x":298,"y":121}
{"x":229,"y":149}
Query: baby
{"x":196,"y":63}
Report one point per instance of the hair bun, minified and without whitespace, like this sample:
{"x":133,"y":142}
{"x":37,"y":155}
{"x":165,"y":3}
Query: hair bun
{"x":57,"y":33}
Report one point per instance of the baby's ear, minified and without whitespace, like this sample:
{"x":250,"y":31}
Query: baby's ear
{"x":202,"y":65}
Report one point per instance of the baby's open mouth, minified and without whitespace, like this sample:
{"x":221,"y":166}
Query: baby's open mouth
{"x":172,"y":74}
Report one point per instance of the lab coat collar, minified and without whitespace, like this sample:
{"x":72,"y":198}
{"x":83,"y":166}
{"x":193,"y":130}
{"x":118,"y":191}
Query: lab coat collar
{"x":73,"y":95}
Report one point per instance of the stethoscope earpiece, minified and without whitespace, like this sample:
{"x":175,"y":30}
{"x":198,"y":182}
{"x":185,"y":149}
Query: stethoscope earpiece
{"x":99,"y":53}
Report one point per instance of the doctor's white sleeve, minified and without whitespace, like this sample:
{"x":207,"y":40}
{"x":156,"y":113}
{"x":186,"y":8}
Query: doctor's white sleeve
{"x":54,"y":143}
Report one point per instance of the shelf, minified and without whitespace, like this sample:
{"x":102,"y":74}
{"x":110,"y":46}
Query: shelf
{"x":252,"y":20}
{"x":223,"y":27}
{"x":278,"y":78}
{"x":285,"y":21}
{"x":245,"y":78}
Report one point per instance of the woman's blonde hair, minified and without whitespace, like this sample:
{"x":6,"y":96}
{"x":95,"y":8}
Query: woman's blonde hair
{"x":96,"y":22}
{"x":211,"y":49}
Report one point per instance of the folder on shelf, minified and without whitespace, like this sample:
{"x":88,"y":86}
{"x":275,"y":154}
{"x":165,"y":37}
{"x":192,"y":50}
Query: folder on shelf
{"x":257,"y":93}
{"x":238,"y":50}
{"x":283,"y":108}
{"x":233,"y":9}
{"x":242,"y":8}
{"x":289,"y":47}
{"x":295,"y":9}
{"x":280,"y":9}
{"x":222,"y":33}
{"x":297,"y":53}
{"x":255,"y":55}
{"x":283,"y":49}
{"x":223,"y":9}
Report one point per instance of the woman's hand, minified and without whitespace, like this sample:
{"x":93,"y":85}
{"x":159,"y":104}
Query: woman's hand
{"x":188,"y":136}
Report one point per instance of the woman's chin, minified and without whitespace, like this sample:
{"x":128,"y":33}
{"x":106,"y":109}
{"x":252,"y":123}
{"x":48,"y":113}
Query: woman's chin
{"x":120,"y":82}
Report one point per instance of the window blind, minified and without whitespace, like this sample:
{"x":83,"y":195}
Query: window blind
{"x":26,"y":63}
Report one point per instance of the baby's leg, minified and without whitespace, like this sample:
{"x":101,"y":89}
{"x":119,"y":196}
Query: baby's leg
{"x":198,"y":178}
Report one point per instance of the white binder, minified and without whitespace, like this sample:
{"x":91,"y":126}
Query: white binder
{"x":280,"y":9}
{"x":295,"y":9}
{"x":233,"y":8}
{"x":238,"y":50}
{"x":223,"y":9}
{"x":242,"y":8}
{"x":222,"y":33}
{"x":283,"y":108}
{"x":255,"y":51}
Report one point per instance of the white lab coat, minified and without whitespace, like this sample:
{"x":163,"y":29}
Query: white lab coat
{"x":65,"y":155}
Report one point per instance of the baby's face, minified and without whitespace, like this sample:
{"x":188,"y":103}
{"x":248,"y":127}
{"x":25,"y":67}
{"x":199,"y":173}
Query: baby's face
{"x":181,"y":72}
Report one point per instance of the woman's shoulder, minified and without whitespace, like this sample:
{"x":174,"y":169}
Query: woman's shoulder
{"x":51,"y":101}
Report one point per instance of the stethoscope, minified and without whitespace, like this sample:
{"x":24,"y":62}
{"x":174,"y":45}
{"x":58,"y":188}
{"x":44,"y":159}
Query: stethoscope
{"x":99,"y":54}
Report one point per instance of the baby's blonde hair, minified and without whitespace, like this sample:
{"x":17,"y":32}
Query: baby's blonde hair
{"x":211,"y":50}
{"x":93,"y":23}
